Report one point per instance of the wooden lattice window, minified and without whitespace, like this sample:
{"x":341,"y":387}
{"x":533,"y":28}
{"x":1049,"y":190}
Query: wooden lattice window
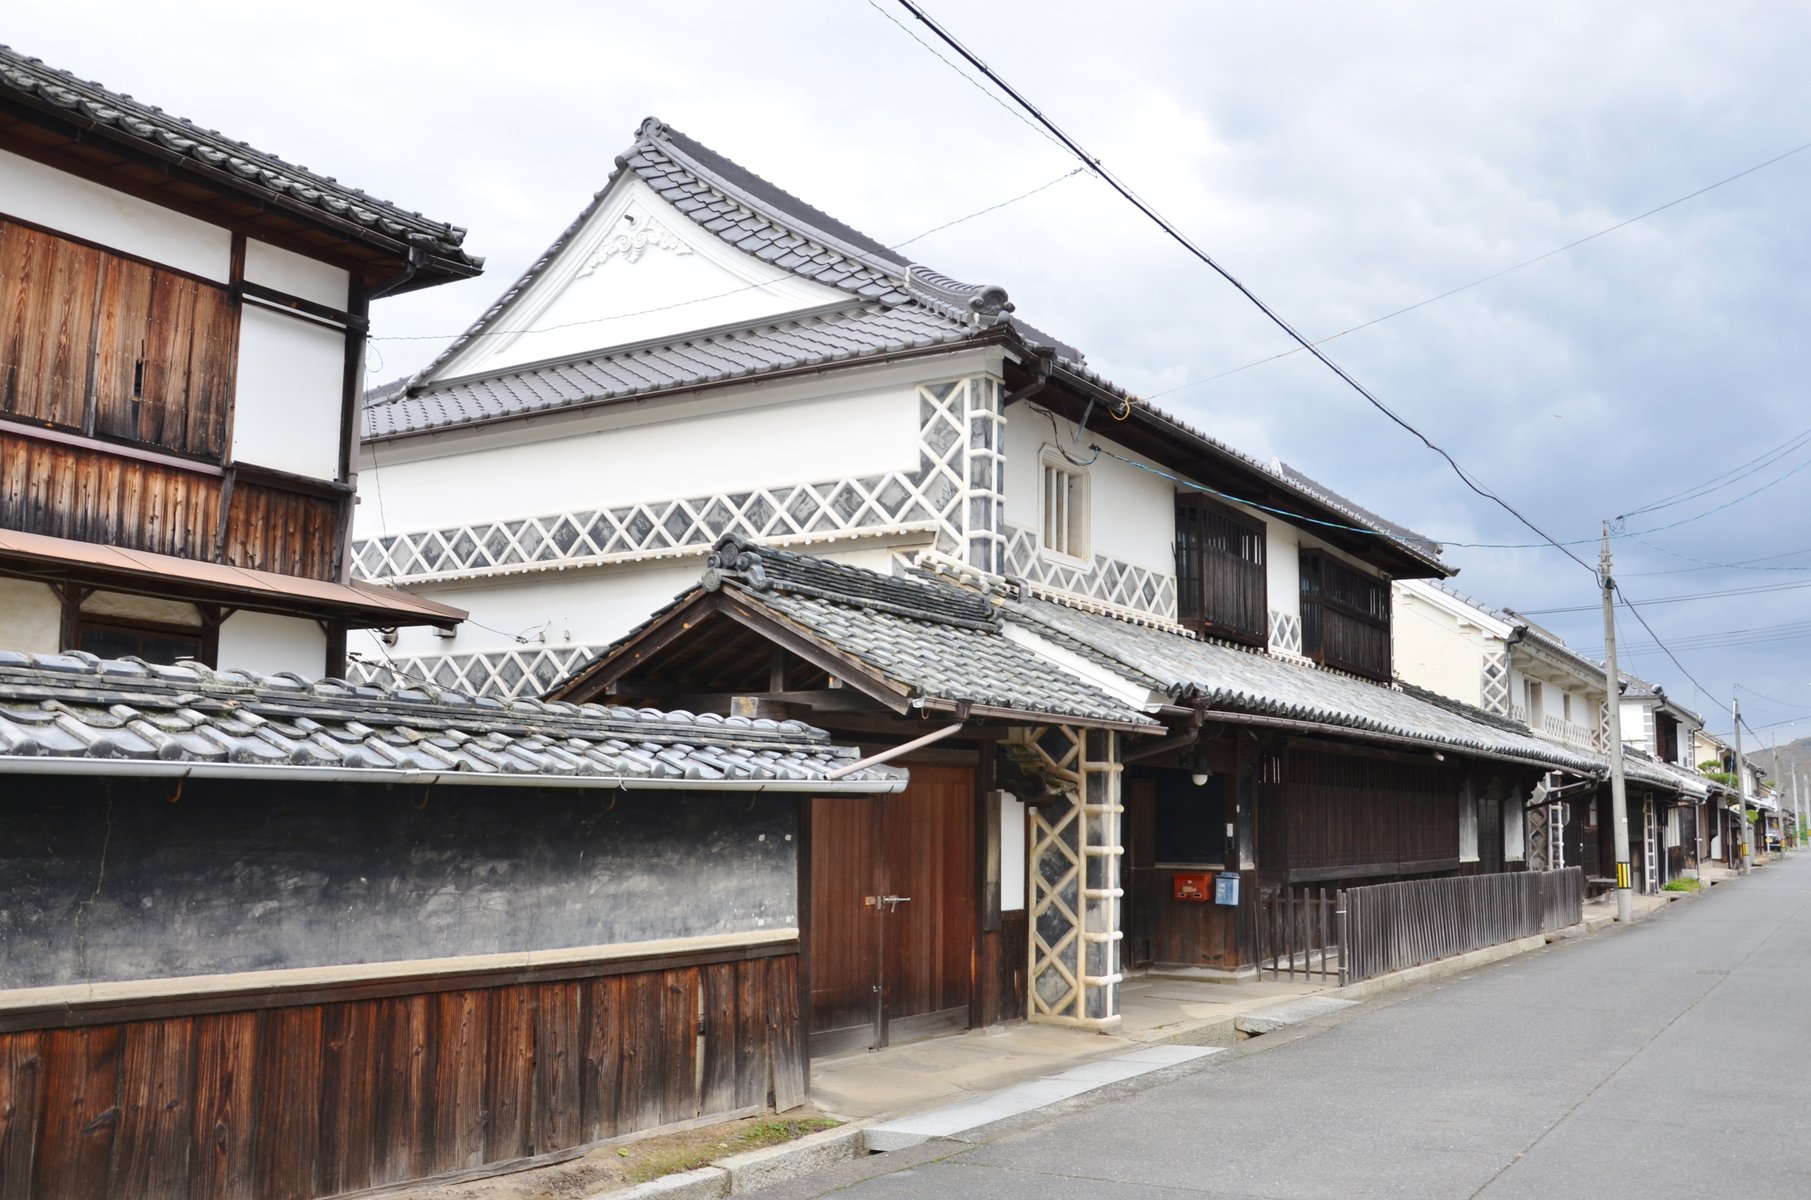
{"x":102,"y":344}
{"x":1065,"y":506}
{"x":1345,"y":617}
{"x":1221,"y":588}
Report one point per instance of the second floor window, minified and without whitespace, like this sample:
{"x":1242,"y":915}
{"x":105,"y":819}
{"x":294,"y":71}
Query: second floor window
{"x":1345,"y":617}
{"x":1065,"y":505}
{"x":1221,"y":589}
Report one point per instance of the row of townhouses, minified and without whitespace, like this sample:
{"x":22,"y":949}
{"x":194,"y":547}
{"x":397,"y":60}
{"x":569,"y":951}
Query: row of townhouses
{"x":767,"y":646}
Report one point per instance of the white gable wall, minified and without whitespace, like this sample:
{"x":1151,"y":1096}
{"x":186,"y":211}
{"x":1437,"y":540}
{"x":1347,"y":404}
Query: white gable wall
{"x":1132,"y":513}
{"x":1436,"y":649}
{"x":638,"y":270}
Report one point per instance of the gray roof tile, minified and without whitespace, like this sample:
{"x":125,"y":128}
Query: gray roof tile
{"x":114,"y":114}
{"x":77,"y":706}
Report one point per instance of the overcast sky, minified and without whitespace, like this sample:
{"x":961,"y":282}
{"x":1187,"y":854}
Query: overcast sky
{"x":1344,"y":160}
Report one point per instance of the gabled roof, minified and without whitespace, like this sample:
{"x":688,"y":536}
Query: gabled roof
{"x":77,"y":714}
{"x":895,"y":305}
{"x":106,"y":116}
{"x":912,"y":644}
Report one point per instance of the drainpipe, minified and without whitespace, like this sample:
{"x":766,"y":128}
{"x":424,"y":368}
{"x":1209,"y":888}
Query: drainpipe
{"x":888,"y":755}
{"x":1046,"y":364}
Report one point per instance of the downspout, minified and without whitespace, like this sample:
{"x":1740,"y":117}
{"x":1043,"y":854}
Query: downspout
{"x":888,"y":755}
{"x":1046,"y":364}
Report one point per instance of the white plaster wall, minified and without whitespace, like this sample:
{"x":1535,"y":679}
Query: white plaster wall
{"x":31,"y":618}
{"x":267,"y":644}
{"x":682,"y":278}
{"x":141,"y":608}
{"x":1012,"y":853}
{"x":286,"y":405}
{"x":296,"y":274}
{"x":635,"y":455}
{"x":1283,"y":566}
{"x":1433,"y":651}
{"x":70,"y":204}
{"x":1131,"y":513}
{"x":1634,"y":726}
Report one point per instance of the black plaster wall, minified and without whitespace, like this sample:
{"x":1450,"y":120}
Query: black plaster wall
{"x":115,"y":881}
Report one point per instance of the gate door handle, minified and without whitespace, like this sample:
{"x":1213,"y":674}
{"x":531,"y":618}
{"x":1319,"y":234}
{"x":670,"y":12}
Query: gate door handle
{"x":893,"y":902}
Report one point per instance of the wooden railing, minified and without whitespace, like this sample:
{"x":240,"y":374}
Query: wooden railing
{"x":1299,"y":932}
{"x":1569,"y":732}
{"x":1393,"y":926}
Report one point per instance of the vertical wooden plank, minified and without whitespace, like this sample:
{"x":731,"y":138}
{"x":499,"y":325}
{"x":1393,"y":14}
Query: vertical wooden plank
{"x":643,"y":1049}
{"x":213,"y":362}
{"x":717,"y":998}
{"x":601,"y":1063}
{"x":752,"y":1071}
{"x":787,"y":1037}
{"x":557,"y":1066}
{"x":222,"y":1162}
{"x":151,"y":1152}
{"x":509,"y":1074}
{"x":678,"y":1033}
{"x":289,"y":1089}
{"x":348,"y":1099}
{"x":81,"y":1113}
{"x":47,"y":302}
{"x":402,"y":1142}
{"x":21,"y":1110}
{"x":459,"y":1050}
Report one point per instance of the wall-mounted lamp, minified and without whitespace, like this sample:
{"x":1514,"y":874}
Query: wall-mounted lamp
{"x":1439,"y":757}
{"x":1201,"y":774}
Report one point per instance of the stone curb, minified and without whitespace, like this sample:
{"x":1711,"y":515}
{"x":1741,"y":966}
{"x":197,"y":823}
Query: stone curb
{"x":753,"y":1169}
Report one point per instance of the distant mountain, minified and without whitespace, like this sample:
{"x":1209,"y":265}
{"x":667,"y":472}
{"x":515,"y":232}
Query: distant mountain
{"x":1791,"y":754}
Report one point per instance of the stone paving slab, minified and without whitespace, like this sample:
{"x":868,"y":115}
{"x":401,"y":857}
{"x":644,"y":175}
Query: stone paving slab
{"x":1290,"y":1012}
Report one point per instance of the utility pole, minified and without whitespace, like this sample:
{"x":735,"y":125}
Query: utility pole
{"x":1619,"y":796}
{"x":1747,"y":865}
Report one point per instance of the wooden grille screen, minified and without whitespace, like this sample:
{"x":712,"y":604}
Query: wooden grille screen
{"x":1220,"y":579}
{"x":106,"y":345}
{"x":1362,"y":816}
{"x":1345,"y":617}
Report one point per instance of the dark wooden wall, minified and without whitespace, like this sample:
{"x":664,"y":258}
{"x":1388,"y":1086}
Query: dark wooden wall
{"x":1350,"y":816}
{"x":373,"y":1084}
{"x":1000,"y":965}
{"x":90,"y":495}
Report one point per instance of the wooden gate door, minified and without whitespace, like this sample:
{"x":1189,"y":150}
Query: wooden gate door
{"x":892,"y":912}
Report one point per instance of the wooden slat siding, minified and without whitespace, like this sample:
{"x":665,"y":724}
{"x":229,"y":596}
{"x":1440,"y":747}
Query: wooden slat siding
{"x":787,"y":1038}
{"x":460,"y":1029}
{"x":81,"y":1112}
{"x":221,"y":1162}
{"x":717,"y":999}
{"x":289,"y":1110}
{"x":1345,"y":617}
{"x":557,"y":1061}
{"x":320,"y":1099}
{"x":1221,"y":586}
{"x":677,"y":1035}
{"x":21,"y":1111}
{"x":1347,"y":816}
{"x":151,"y":1155}
{"x":402,"y":1142}
{"x":509,"y":1084}
{"x":349,"y":1087}
{"x":601,"y":1065}
{"x":752,"y":1052}
{"x":48,"y":288}
{"x":641,"y":1084}
{"x":92,"y":496}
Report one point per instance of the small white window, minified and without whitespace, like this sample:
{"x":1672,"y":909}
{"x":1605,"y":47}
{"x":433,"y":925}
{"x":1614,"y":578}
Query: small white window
{"x":1468,"y":825}
{"x":1514,"y":846}
{"x":1065,"y":506}
{"x":1565,"y":704}
{"x":1531,"y":696}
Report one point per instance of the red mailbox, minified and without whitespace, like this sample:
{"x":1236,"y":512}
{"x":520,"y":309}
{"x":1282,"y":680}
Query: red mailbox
{"x":1196,"y":886}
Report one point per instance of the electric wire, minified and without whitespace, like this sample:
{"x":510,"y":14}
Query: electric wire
{"x":1658,"y":642}
{"x":1717,"y":483}
{"x":1176,"y":235}
{"x":1757,"y":589}
{"x":1494,"y":275}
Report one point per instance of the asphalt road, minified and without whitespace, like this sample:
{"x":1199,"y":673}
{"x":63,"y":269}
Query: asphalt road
{"x":1669,"y":1058}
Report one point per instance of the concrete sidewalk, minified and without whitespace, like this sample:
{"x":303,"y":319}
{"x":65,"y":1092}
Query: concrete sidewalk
{"x":1153,"y":1011}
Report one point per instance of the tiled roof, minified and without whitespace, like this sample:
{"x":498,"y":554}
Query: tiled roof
{"x":709,"y":356}
{"x":125,"y":119}
{"x":922,"y":636}
{"x":1244,"y":681}
{"x":1361,"y":515}
{"x":125,"y":716}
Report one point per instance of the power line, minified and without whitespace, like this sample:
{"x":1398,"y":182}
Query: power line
{"x":749,"y":287}
{"x":1662,"y":645}
{"x":1131,"y":197}
{"x":1728,"y":477}
{"x":1680,"y":599}
{"x":1494,"y":275}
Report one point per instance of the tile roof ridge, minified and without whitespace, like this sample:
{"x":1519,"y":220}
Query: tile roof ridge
{"x":740,"y":561}
{"x":148,"y":123}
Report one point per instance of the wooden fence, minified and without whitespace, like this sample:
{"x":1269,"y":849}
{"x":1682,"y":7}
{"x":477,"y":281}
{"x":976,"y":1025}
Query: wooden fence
{"x":1299,"y":933}
{"x":318,"y":1093}
{"x":1392,"y":926}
